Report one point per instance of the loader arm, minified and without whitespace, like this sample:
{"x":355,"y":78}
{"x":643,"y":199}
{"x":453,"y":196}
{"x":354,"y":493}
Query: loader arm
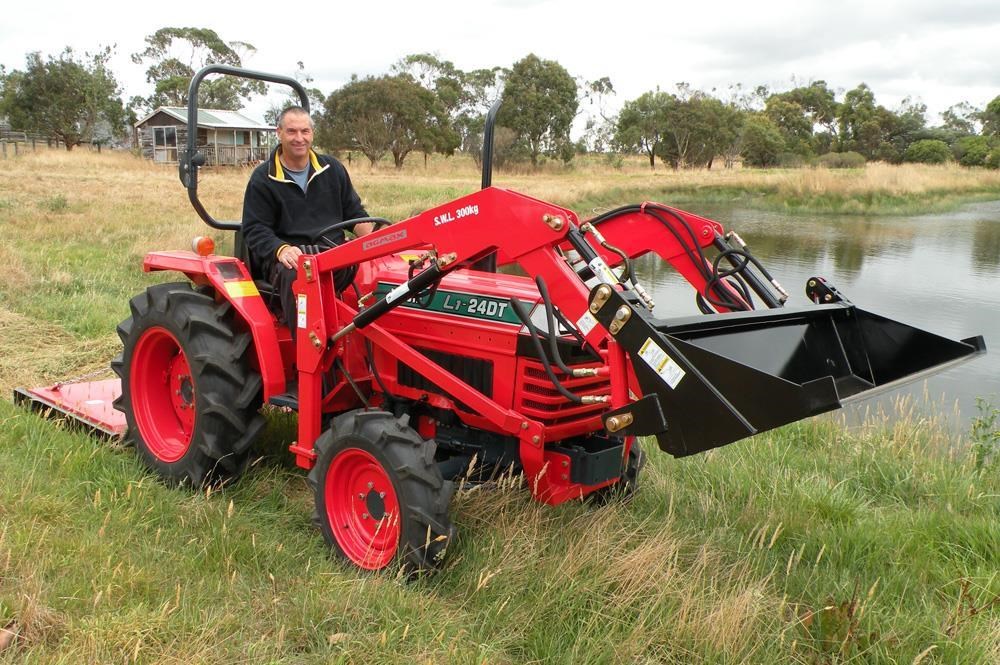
{"x":679,"y":238}
{"x":704,"y":382}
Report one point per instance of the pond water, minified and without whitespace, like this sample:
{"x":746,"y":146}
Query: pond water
{"x":939,"y":272}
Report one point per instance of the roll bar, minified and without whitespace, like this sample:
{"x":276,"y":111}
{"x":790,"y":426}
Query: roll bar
{"x":190,"y":160}
{"x":488,"y":263}
{"x":491,"y":121}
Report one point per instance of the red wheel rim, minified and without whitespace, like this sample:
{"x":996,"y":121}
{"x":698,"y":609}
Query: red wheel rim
{"x":163,"y":396}
{"x":362,"y":509}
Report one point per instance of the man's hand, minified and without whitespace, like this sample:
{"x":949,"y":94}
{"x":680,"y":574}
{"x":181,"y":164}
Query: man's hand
{"x":289,"y":256}
{"x":363,"y":228}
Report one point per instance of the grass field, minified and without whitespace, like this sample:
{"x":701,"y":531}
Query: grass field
{"x":811,"y":544}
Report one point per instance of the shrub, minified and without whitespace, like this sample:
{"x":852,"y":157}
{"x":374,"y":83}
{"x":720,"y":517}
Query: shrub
{"x":56,"y":203}
{"x":928,"y":151}
{"x":993,"y":160}
{"x":791,"y":160}
{"x":842,"y":160}
{"x":971,"y":150}
{"x":615,"y":160}
{"x":887,"y":152}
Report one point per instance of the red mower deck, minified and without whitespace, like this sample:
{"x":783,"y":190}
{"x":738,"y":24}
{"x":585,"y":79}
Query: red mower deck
{"x":90,"y":404}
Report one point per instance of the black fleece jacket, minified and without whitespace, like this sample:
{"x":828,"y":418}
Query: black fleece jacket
{"x":277,"y":212}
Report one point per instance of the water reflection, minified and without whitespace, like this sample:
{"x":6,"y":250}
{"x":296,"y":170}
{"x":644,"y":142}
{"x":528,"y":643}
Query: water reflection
{"x":938,"y":272}
{"x":986,"y":245}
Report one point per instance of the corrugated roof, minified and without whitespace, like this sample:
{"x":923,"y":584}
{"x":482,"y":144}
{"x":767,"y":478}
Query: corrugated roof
{"x":214,"y":118}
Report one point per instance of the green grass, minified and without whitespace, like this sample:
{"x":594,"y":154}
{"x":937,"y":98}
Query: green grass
{"x":809,"y":545}
{"x":814,"y":544}
{"x":766,"y":197}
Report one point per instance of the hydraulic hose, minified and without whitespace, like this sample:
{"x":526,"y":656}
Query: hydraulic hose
{"x":692,"y":249}
{"x":343,"y":370}
{"x":578,"y":337}
{"x":551,"y":320}
{"x":525,"y":317}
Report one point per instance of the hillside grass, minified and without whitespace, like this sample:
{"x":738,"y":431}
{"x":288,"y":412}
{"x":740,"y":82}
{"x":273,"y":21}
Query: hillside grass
{"x":812,"y":544}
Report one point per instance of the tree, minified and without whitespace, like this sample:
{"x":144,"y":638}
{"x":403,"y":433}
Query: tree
{"x":539,"y":104}
{"x":697,"y":127}
{"x":857,"y":108}
{"x":448,"y":84}
{"x":792,"y":121}
{"x":641,"y":123}
{"x":762,"y":141}
{"x":600,"y":127}
{"x":972,"y":150}
{"x":389,"y":114}
{"x":175,"y":54}
{"x":680,"y":129}
{"x":817,"y":100}
{"x":315,"y":96}
{"x":928,"y":151}
{"x":64,"y":97}
{"x":438,"y":76}
{"x":799,"y":112}
{"x":991,"y":118}
{"x":465,"y":96}
{"x":962,"y":118}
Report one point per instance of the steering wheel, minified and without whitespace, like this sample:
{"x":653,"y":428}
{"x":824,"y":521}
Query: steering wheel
{"x":378,"y":221}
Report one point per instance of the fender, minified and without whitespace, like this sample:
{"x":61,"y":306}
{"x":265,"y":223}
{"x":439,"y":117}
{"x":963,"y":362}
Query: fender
{"x":231,"y":280}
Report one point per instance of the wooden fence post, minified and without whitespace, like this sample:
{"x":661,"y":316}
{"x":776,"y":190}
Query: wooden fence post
{"x":4,"y":144}
{"x":15,"y":148}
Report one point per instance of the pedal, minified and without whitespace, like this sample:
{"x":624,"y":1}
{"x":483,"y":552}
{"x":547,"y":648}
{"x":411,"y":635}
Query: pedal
{"x":288,"y":399}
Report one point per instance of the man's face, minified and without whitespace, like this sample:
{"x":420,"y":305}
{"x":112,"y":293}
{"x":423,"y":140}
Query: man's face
{"x":295,"y":135}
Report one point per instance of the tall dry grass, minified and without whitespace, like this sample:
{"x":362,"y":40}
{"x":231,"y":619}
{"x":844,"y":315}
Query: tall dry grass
{"x":77,"y":224}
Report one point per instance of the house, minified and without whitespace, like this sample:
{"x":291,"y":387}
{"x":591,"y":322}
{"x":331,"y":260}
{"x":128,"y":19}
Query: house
{"x":224,"y":137}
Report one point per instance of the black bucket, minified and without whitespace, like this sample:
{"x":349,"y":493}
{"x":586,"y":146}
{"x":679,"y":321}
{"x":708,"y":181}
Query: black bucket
{"x":722,"y":377}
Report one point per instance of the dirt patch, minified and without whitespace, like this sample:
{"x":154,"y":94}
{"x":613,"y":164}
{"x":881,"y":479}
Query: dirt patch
{"x":9,"y":635}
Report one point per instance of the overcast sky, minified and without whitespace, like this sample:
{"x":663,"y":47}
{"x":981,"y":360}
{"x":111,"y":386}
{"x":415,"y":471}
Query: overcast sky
{"x":937,"y":51}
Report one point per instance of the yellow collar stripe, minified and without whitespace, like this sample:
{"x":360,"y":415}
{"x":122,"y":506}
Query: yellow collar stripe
{"x":279,"y":172}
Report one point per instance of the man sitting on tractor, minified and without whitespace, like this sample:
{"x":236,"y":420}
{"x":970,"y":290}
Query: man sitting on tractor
{"x":290,"y":204}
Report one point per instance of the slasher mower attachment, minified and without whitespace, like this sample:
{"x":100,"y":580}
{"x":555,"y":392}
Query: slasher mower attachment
{"x":434,"y":367}
{"x":89,"y":404}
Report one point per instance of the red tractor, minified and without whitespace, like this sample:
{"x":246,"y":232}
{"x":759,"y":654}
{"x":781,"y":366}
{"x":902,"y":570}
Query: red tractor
{"x":434,"y":366}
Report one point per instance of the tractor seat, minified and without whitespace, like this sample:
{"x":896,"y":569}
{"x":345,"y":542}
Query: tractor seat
{"x":267,"y":290}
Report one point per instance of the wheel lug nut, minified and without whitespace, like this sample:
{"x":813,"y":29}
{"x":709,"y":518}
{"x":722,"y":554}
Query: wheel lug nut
{"x":381,"y":495}
{"x":371,"y":485}
{"x":364,"y":516}
{"x":361,"y":496}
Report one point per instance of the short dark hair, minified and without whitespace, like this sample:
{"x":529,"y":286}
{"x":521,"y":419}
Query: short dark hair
{"x":294,"y":109}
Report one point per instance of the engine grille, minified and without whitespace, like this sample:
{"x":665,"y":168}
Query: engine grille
{"x":538,"y":399}
{"x":477,"y":372}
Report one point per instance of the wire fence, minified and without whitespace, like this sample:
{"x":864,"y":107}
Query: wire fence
{"x":14,"y":143}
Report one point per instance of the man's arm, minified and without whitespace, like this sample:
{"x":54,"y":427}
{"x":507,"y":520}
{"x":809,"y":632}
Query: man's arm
{"x":260,"y":219}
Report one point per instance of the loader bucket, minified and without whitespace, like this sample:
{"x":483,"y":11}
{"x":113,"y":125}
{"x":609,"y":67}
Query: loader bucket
{"x":720,"y":378}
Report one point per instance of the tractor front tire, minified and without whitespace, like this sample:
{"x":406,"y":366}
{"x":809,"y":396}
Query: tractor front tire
{"x":190,"y":395}
{"x":379,"y":494}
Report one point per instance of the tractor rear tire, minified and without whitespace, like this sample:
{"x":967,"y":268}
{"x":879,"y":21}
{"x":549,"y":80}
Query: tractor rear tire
{"x":379,"y":494}
{"x":628,"y":484}
{"x":190,"y":394}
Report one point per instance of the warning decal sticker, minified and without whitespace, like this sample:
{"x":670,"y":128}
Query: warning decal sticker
{"x":661,"y":363}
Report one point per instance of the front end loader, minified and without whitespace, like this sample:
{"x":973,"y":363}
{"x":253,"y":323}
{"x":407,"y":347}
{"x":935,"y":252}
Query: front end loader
{"x":496,"y":333}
